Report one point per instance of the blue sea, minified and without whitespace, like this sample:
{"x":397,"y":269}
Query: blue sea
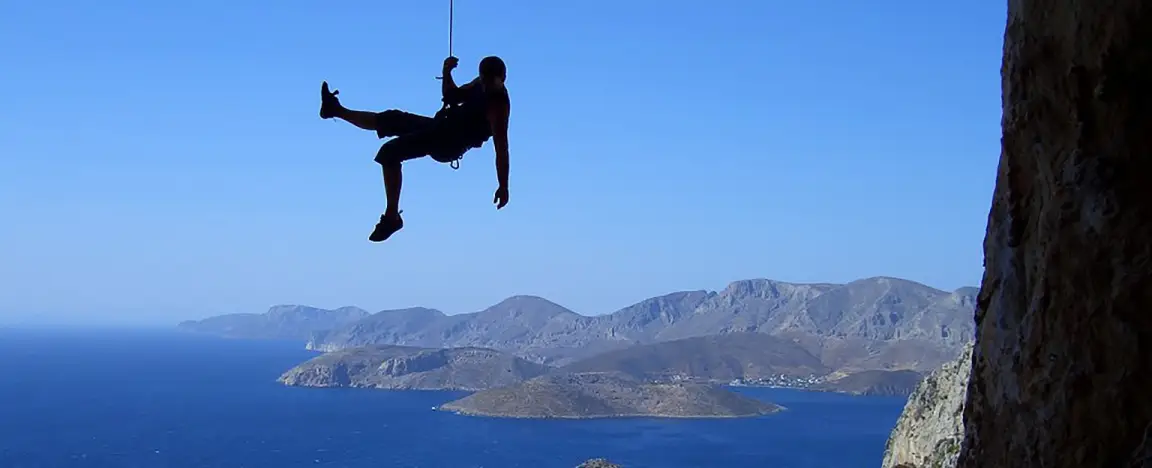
{"x":126,"y":399}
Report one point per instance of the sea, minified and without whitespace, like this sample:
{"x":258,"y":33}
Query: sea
{"x":166,"y":399}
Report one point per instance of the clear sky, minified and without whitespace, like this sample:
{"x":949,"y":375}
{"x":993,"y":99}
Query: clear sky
{"x":165,"y":160}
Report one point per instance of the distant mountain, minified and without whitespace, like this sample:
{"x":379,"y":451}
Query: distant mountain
{"x":874,"y":382}
{"x":740,"y":355}
{"x":289,"y":322}
{"x":602,"y":395}
{"x":876,"y":323}
{"x":411,"y":368}
{"x":407,"y":327}
{"x":850,"y":354}
{"x":872,"y":309}
{"x":523,"y":324}
{"x":939,"y":322}
{"x":750,"y":305}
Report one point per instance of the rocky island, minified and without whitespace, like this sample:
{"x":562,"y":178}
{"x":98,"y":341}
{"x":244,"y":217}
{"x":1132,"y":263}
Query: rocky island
{"x":607,"y":395}
{"x":413,"y":368}
{"x":598,"y":463}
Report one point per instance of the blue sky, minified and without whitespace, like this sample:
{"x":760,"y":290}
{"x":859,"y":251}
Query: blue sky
{"x":165,"y":160}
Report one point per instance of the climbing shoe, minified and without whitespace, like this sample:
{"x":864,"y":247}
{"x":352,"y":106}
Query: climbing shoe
{"x":387,"y":226}
{"x":329,"y":103}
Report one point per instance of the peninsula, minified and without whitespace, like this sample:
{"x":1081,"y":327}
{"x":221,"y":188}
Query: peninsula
{"x":413,"y":368}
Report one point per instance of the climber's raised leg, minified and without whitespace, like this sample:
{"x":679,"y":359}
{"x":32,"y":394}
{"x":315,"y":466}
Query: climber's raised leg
{"x":386,"y":124}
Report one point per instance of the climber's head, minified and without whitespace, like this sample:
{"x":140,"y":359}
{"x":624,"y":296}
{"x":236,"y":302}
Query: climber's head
{"x":492,"y":69}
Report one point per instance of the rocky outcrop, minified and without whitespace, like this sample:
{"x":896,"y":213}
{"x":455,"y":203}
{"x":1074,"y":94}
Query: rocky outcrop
{"x":1061,"y":371}
{"x":931,"y":428}
{"x":607,"y":395}
{"x":598,"y":463}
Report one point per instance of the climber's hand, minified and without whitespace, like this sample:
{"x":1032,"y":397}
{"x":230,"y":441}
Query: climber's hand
{"x":501,"y":197}
{"x":450,"y":63}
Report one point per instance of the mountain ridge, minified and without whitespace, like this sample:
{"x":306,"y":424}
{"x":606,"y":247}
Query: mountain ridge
{"x":880,"y":322}
{"x":283,"y":321}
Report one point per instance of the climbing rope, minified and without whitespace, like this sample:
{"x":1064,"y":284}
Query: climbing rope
{"x":455,"y":164}
{"x":451,"y":22}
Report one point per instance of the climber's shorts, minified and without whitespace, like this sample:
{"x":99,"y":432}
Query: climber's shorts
{"x":415,"y":136}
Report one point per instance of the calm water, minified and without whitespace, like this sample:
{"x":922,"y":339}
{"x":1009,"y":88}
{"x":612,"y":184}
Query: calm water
{"x":158,"y":399}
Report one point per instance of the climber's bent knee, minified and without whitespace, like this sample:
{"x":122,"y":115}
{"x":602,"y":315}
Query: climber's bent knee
{"x":397,"y":150}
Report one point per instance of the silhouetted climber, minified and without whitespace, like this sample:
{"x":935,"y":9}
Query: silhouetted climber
{"x":472,"y":114}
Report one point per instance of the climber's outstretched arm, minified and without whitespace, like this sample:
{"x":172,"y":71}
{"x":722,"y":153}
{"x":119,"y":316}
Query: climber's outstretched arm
{"x":498,"y":112}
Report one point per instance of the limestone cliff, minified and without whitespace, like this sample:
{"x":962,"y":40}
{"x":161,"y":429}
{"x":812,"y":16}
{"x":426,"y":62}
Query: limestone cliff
{"x":929,"y":431}
{"x":1061,"y":371}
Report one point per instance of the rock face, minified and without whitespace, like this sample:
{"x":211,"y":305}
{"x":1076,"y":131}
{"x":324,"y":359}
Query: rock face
{"x":1061,"y":371}
{"x":931,"y":428}
{"x":410,"y":368}
{"x":873,"y":382}
{"x":606,"y":395}
{"x":873,"y":323}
